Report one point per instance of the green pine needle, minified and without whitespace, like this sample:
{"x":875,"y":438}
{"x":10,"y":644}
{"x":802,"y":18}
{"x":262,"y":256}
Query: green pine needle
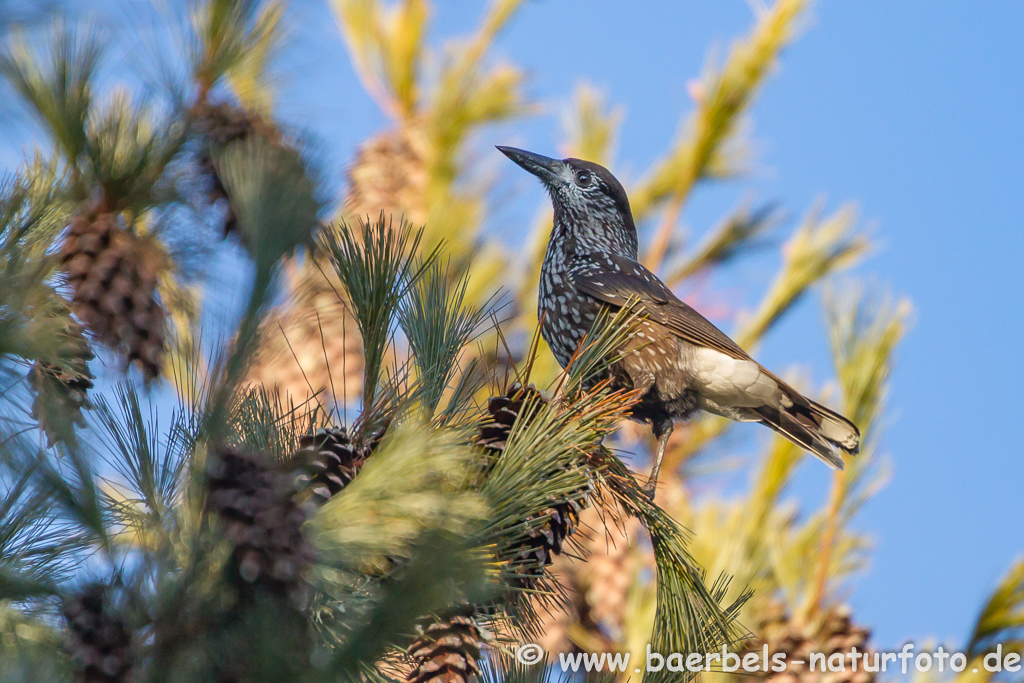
{"x":57,"y":84}
{"x":128,"y":148}
{"x":690,"y":617}
{"x":272,"y":195}
{"x":377,"y":265}
{"x":438,"y":325}
{"x":413,"y":485}
{"x":232,"y":37}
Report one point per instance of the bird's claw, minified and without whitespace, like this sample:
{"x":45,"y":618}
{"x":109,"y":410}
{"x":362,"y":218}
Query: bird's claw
{"x":650,"y":489}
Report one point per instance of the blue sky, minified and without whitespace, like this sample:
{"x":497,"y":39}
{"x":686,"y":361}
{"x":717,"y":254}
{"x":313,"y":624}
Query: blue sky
{"x":915,"y":110}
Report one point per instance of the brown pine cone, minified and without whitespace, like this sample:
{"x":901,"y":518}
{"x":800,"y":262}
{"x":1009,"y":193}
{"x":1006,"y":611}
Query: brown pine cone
{"x":221,"y":124}
{"x":389,"y":174}
{"x":312,"y":343}
{"x":98,"y":641}
{"x":113,"y":276}
{"x":262,"y":521}
{"x":548,"y":530}
{"x":557,"y":619}
{"x":544,"y":539}
{"x":332,"y":461}
{"x":595,"y":585}
{"x":610,"y":570}
{"x":829,"y":633}
{"x":503,"y":411}
{"x":446,"y":652}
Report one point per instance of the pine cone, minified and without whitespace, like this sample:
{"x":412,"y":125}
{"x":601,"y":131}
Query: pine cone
{"x":548,"y":530}
{"x":504,"y":410}
{"x":312,"y":344}
{"x":61,"y":388}
{"x":545,"y":539}
{"x":98,"y":641}
{"x":332,"y":460}
{"x":557,"y":619}
{"x":829,"y":633}
{"x":221,"y":124}
{"x":447,"y":652}
{"x":262,"y":520}
{"x":390,"y":174}
{"x":595,"y":588}
{"x":114,"y":277}
{"x":610,"y":570}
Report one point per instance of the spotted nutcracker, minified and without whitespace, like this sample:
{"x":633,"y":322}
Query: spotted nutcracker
{"x":680,"y":361}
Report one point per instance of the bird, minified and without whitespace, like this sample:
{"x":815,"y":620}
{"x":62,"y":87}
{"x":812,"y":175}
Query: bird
{"x":675,"y":359}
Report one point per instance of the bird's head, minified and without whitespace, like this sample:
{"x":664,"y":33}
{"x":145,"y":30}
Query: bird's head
{"x":590,"y":204}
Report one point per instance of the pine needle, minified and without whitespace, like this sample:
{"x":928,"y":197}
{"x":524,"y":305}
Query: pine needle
{"x":231,"y":36}
{"x":819,"y":247}
{"x":724,"y":95}
{"x":57,"y":85}
{"x":272,"y":195}
{"x":377,"y":266}
{"x":1001,"y":620}
{"x":438,"y":325}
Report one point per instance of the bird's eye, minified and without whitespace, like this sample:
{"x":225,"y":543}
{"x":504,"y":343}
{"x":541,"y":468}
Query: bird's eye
{"x":583,"y":178}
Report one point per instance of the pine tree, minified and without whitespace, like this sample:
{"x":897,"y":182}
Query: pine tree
{"x":421,"y":486}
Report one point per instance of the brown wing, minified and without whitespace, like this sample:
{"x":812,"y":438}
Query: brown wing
{"x":616,"y":281}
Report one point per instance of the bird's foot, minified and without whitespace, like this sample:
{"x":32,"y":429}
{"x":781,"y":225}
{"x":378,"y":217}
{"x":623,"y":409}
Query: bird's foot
{"x":650,"y":488}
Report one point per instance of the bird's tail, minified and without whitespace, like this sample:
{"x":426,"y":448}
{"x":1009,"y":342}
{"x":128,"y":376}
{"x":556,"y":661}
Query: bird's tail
{"x":812,"y":426}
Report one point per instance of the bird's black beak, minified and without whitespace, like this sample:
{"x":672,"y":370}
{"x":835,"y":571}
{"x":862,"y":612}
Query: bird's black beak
{"x":547,"y":169}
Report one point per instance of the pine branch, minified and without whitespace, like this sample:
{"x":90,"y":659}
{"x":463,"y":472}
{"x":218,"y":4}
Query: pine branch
{"x":74,"y":492}
{"x":386,"y":47}
{"x":377,"y":268}
{"x":1001,"y":620}
{"x":34,"y":209}
{"x":737,"y":235}
{"x":725,"y":95}
{"x":470,"y":94}
{"x":57,"y":85}
{"x":689,"y":617}
{"x":272,"y":195}
{"x":819,"y":247}
{"x":438,"y":326}
{"x":231,"y":37}
{"x":151,"y":470}
{"x":28,"y":648}
{"x":438,"y":574}
{"x":412,"y":486}
{"x":35,"y":548}
{"x":864,"y":337}
{"x":33,"y":317}
{"x":128,"y":149}
{"x":590,"y":127}
{"x":248,"y":77}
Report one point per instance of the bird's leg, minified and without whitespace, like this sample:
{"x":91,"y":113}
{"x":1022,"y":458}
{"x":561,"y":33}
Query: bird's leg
{"x":662,"y":430}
